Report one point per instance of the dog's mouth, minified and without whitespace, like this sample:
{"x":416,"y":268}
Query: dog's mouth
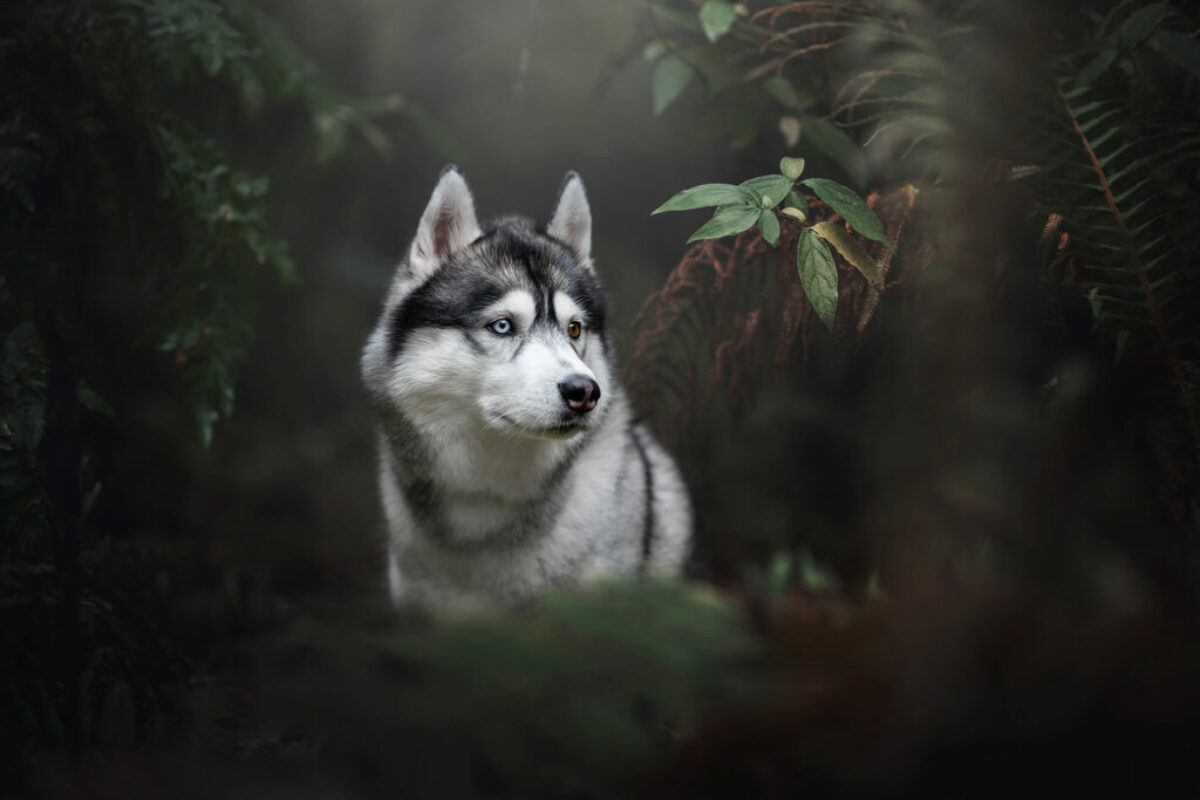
{"x":563,"y":430}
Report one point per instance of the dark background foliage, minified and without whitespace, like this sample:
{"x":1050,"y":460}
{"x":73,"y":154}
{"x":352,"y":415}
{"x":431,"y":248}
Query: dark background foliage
{"x":947,"y":547}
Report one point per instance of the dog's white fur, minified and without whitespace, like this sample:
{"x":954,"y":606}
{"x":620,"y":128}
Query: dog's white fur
{"x":488,"y":502}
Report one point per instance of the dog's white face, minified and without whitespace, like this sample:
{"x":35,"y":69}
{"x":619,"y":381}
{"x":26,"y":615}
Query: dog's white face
{"x":513,"y":371}
{"x":527,"y":362}
{"x":502,"y":328}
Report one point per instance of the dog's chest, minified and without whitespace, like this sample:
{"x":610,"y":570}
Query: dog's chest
{"x":472,"y":465}
{"x":469,"y":490}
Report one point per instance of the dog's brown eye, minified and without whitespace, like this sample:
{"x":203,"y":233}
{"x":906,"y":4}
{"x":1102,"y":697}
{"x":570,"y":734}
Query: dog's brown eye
{"x":574,"y":329}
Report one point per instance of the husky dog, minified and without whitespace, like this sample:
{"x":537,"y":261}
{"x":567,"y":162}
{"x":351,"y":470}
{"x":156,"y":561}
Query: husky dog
{"x":509,"y":461}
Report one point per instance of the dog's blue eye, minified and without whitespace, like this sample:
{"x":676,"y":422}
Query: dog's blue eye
{"x":501,"y":327}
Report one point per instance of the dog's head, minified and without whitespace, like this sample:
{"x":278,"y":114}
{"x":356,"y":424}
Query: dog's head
{"x":500,"y":325}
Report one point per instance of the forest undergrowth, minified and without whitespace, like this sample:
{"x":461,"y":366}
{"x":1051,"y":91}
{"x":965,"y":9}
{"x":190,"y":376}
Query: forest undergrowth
{"x":959,"y":322}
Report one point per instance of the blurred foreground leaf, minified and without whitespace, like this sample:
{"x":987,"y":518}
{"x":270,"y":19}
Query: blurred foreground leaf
{"x":671,"y":76}
{"x":580,"y":696}
{"x":716,"y":18}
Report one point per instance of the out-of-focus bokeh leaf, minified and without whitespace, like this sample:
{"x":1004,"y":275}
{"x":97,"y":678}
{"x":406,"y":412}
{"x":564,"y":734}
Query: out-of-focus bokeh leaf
{"x":1181,"y":48}
{"x":716,"y":18}
{"x":831,"y":141}
{"x":671,"y":76}
{"x":1143,"y":21}
{"x":583,"y":692}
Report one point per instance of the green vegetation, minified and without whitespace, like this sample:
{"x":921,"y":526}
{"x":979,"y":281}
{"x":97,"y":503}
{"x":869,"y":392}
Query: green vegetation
{"x":129,"y":243}
{"x":890,"y":98}
{"x":933,"y":383}
{"x":755,"y":200}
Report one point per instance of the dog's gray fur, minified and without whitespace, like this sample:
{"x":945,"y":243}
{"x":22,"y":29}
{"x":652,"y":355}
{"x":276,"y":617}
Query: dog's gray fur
{"x":494,"y":487}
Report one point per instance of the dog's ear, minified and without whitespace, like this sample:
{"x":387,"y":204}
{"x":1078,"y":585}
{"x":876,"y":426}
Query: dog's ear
{"x":447,"y":226}
{"x":571,"y":222}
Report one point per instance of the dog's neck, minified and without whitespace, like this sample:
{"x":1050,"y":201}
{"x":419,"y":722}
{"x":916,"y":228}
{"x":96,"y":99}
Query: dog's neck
{"x":465,"y":486}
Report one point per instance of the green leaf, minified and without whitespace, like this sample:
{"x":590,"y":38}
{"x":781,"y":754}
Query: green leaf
{"x":92,"y":400}
{"x":671,"y":76}
{"x":816,"y":577}
{"x":789,"y":129}
{"x":1180,"y":48}
{"x":818,"y":276}
{"x":836,"y":145}
{"x":716,"y":70}
{"x":850,"y":206}
{"x":768,"y":189}
{"x":779,"y":574}
{"x":206,"y":418}
{"x":768,"y":225}
{"x":791,"y":168}
{"x":727,"y":221}
{"x":782,"y":91}
{"x":797,"y":201}
{"x":1143,"y":22}
{"x":1096,"y":67}
{"x":716,"y":18}
{"x":654,"y":50}
{"x":707,"y":194}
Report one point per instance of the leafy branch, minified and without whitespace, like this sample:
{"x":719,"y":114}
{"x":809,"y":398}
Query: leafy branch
{"x":766,"y":199}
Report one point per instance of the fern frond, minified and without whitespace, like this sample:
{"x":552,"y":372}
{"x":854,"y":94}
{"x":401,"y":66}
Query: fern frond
{"x":1111,"y":191}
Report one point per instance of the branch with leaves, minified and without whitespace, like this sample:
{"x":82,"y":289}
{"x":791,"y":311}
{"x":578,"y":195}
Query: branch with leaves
{"x":764,"y":200}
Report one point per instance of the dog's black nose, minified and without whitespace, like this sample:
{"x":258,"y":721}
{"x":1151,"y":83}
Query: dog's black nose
{"x":580,"y":393}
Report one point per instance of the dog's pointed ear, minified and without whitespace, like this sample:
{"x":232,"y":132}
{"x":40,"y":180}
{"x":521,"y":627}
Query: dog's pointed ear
{"x":571,"y":222}
{"x":447,"y":226}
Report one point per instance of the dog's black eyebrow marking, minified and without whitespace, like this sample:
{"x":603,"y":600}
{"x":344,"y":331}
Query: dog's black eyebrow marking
{"x":459,"y":290}
{"x":451,"y":298}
